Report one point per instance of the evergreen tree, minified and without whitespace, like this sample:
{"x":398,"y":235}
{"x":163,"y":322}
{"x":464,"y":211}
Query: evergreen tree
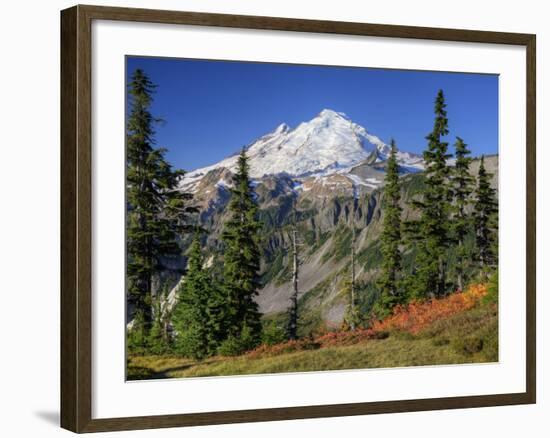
{"x":242,"y":256}
{"x":462,"y":186}
{"x":391,"y":236}
{"x":198,"y":315}
{"x":156,"y":211}
{"x":485,"y":211}
{"x":431,"y":233}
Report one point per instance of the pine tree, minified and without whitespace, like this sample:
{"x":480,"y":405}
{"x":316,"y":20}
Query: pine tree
{"x":462,"y":186}
{"x":485,"y":210}
{"x":156,"y":211}
{"x":242,"y":256}
{"x":391,"y":236}
{"x":431,"y":233}
{"x":197,"y":315}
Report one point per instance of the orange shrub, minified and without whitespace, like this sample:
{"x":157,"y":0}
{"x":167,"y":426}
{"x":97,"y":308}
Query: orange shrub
{"x":330,"y":339}
{"x":417,"y":315}
{"x":412,"y":318}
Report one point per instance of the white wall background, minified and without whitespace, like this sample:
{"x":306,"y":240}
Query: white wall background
{"x":29,"y":216}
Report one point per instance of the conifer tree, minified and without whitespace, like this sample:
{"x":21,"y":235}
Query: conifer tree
{"x":156,"y":211}
{"x":198,"y":318}
{"x":391,"y":236}
{"x":242,"y":256}
{"x":485,"y":210}
{"x":431,"y":233}
{"x":462,"y":186}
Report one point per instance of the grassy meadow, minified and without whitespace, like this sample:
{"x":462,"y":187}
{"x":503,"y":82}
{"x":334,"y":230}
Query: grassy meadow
{"x":461,"y":328}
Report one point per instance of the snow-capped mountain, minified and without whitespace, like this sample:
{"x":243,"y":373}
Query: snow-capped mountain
{"x":327,"y":144}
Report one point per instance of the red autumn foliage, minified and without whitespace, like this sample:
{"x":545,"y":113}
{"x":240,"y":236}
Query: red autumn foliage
{"x":412,"y":318}
{"x":417,"y":315}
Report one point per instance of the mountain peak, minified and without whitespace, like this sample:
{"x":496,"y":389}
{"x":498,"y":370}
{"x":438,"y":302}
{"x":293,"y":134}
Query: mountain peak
{"x":331,"y":114}
{"x":329,"y":143}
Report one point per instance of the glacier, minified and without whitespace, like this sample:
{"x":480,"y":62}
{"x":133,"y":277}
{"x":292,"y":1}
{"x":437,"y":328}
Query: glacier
{"x":327,"y":144}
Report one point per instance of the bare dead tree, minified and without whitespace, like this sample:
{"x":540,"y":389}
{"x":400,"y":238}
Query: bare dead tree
{"x":293,"y":311}
{"x":353,"y":310}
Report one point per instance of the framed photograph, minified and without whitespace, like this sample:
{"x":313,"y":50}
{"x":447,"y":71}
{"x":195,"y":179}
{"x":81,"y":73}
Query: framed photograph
{"x":268,"y":218}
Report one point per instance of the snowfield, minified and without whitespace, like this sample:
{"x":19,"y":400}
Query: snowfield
{"x":327,"y":144}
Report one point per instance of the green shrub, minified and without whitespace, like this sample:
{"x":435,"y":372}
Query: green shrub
{"x":273,"y":334}
{"x":190,"y":343}
{"x":232,"y":346}
{"x":136,"y":337}
{"x":157,"y":340}
{"x":492,"y":290}
{"x":156,"y":344}
{"x":236,"y":345}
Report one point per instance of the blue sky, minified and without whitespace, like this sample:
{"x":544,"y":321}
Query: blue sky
{"x":213,"y":108}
